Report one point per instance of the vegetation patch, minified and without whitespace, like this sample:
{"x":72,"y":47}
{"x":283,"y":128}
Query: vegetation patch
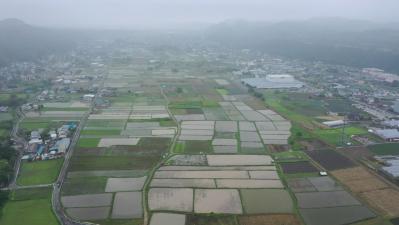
{"x":40,"y":172}
{"x":385,"y":149}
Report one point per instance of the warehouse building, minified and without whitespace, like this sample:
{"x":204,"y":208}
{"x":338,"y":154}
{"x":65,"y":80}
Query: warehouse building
{"x":273,"y":82}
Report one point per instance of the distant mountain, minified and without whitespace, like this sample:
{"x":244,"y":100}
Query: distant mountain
{"x":22,"y":42}
{"x":333,"y":40}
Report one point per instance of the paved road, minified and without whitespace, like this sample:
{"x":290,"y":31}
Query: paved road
{"x":20,"y":144}
{"x":56,"y":197}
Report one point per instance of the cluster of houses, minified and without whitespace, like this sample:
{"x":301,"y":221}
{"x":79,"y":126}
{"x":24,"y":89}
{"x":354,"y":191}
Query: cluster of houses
{"x":53,"y":146}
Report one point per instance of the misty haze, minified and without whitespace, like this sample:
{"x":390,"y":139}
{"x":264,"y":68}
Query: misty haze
{"x":212,"y":112}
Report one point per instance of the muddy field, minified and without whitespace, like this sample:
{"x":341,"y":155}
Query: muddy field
{"x":217,"y":201}
{"x":168,"y":219}
{"x":266,"y":201}
{"x":328,"y":216}
{"x":330,"y":159}
{"x":171,"y":199}
{"x":298,"y":167}
{"x":276,"y":219}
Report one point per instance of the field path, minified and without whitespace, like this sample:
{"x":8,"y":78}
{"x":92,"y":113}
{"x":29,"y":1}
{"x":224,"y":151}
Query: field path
{"x":151,"y":174}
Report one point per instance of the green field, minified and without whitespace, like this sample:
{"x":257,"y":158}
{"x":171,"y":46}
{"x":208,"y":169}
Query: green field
{"x":222,"y":91}
{"x":40,"y":172}
{"x":334,"y":136}
{"x":193,"y":147}
{"x":30,"y":206}
{"x":88,"y":142}
{"x":101,"y":132}
{"x":84,"y":185}
{"x":290,"y":156}
{"x":139,"y":157}
{"x":385,"y":149}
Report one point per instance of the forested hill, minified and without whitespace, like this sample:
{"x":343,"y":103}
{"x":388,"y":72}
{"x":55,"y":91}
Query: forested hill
{"x":340,"y":41}
{"x":22,"y":42}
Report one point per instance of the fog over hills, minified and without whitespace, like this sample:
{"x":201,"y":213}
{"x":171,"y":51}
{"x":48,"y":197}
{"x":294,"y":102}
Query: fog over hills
{"x":22,"y":42}
{"x":334,"y":40}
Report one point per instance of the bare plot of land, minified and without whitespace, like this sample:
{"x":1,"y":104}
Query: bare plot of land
{"x":301,"y":185}
{"x":108,"y":117}
{"x":249,"y":136}
{"x":149,"y":108}
{"x":229,"y":98}
{"x":221,"y":141}
{"x":249,"y":183}
{"x":125,"y":184}
{"x":247,"y":126}
{"x":104,"y":173}
{"x":252,"y":115}
{"x":298,"y":167}
{"x":245,"y":144}
{"x":336,"y":215}
{"x":188,"y":160}
{"x":217,"y":201}
{"x":226,"y":126}
{"x":187,"y":132}
{"x":93,"y":200}
{"x":171,"y":199}
{"x":168,"y":219}
{"x":275,"y":142}
{"x":224,"y":168}
{"x":97,"y":213}
{"x":107,"y":142}
{"x":196,"y":126}
{"x":274,"y":132}
{"x":265,"y":126}
{"x":190,"y":117}
{"x":127,"y":205}
{"x":238,"y":160}
{"x":275,"y":136}
{"x":222,"y":82}
{"x":267,"y":175}
{"x":161,"y":132}
{"x":325,"y":184}
{"x":145,"y":125}
{"x":202,"y":174}
{"x":180,"y":183}
{"x":325,"y":199}
{"x":225,"y":149}
{"x":275,"y":219}
{"x":194,"y":138}
{"x":266,"y":201}
{"x":385,"y":200}
{"x":359,"y":179}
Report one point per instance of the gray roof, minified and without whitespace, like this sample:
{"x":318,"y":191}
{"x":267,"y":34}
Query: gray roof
{"x":388,"y":133}
{"x":273,"y":81}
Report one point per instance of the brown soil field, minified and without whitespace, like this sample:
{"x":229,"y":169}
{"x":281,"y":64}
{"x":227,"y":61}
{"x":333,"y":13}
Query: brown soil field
{"x":359,"y":180}
{"x":356,"y":153}
{"x":275,"y":219}
{"x":386,"y":200}
{"x":278,"y":148}
{"x":371,"y":189}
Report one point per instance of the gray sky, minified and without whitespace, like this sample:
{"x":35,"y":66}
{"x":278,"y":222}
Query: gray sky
{"x":162,"y":13}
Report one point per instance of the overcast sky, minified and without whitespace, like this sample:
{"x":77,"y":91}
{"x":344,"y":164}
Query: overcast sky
{"x":162,"y":13}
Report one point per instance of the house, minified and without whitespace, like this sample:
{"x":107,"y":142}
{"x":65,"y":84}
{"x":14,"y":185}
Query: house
{"x":88,"y":97}
{"x":388,"y":134}
{"x":52,"y":134}
{"x":63,"y":131}
{"x":61,"y":146}
{"x":335,"y":123}
{"x":35,"y":135}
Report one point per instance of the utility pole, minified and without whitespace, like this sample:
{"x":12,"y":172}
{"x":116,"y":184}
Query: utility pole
{"x":343,"y":132}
